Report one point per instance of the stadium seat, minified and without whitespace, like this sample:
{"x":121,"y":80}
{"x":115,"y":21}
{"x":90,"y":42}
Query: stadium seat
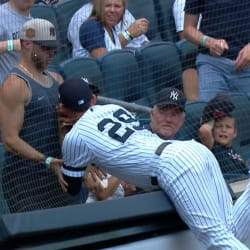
{"x":81,"y":66}
{"x":160,"y":66}
{"x":64,"y":11}
{"x":189,"y":130}
{"x":242,"y":115}
{"x":146,"y":9}
{"x":121,"y":75}
{"x":48,"y":12}
{"x":166,"y":20}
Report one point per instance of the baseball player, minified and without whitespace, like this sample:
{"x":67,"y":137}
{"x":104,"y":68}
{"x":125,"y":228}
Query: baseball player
{"x":111,"y":137}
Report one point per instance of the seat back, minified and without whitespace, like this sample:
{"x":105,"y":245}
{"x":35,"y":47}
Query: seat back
{"x":146,"y":9}
{"x":166,"y":20}
{"x":81,"y":66}
{"x":160,"y":66}
{"x":242,"y":116}
{"x":64,"y":11}
{"x":121,"y":75}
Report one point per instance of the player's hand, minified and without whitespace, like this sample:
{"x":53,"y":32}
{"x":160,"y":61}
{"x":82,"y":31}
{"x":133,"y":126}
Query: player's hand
{"x":243,"y":58}
{"x":138,"y":27}
{"x":56,"y":168}
{"x":64,"y":119}
{"x":216,"y":46}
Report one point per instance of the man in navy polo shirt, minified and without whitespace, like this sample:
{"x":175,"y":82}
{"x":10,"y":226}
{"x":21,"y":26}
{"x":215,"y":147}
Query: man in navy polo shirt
{"x":224,"y":59}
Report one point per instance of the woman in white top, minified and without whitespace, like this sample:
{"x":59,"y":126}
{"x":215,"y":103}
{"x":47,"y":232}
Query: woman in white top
{"x":99,"y":34}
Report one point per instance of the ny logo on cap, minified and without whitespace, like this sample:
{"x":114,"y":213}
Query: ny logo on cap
{"x":81,"y":102}
{"x":52,"y":31}
{"x":174,"y":95}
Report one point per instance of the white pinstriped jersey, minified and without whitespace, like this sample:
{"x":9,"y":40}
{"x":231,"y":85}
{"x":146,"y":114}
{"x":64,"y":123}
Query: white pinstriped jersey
{"x":109,"y":136}
{"x":187,"y":171}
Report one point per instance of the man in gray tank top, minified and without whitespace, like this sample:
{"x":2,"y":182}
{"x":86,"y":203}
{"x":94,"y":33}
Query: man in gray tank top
{"x":29,"y":124}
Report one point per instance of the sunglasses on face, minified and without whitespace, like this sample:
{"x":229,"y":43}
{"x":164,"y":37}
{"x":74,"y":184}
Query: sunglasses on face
{"x":45,"y":48}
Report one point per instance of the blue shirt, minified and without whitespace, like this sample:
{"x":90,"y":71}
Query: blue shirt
{"x":224,"y":19}
{"x":231,"y":163}
{"x":91,"y":35}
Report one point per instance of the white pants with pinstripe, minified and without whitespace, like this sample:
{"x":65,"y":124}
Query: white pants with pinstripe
{"x":201,"y":197}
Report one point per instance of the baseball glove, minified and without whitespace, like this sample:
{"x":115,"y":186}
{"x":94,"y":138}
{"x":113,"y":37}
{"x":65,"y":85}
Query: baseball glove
{"x":219,"y":106}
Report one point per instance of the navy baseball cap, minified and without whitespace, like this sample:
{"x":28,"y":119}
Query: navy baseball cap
{"x":170,"y":97}
{"x":75,"y":94}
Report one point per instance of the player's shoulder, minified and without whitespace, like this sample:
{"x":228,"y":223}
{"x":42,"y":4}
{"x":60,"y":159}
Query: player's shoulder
{"x":108,"y":107}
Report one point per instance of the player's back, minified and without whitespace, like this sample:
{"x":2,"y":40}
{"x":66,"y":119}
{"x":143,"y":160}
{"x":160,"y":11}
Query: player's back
{"x":109,"y":134}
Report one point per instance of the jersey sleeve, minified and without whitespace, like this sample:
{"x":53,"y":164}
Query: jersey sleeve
{"x":91,"y":35}
{"x":76,"y":154}
{"x":194,"y":7}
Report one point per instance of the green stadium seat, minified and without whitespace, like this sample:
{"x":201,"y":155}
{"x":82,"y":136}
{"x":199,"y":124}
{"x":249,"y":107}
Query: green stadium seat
{"x":81,"y":66}
{"x":64,"y":11}
{"x":160,"y":66}
{"x":146,"y":9}
{"x":190,"y":128}
{"x":121,"y":75}
{"x":46,"y":12}
{"x":166,"y":20}
{"x":242,"y":115}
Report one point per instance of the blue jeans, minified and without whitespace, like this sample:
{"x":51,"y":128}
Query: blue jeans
{"x":218,"y":74}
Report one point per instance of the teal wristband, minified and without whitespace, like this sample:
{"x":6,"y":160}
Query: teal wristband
{"x":48,"y":161}
{"x":130,"y":37}
{"x":126,"y":36}
{"x":10,"y":45}
{"x":203,"y":40}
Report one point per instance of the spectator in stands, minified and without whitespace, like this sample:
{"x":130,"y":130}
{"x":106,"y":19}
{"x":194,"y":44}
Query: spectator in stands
{"x":29,"y":124}
{"x":189,"y":73}
{"x":168,"y":114}
{"x":107,"y":188}
{"x":224,"y":56}
{"x":121,"y":32}
{"x":13,"y":15}
{"x":217,"y":131}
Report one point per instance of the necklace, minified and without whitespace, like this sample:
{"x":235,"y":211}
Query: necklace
{"x":45,"y":81}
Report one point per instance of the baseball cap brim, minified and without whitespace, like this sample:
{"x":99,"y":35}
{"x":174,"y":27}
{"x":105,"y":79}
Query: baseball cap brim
{"x":170,"y":104}
{"x":49,"y":43}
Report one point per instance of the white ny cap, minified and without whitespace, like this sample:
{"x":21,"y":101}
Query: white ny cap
{"x":40,"y":31}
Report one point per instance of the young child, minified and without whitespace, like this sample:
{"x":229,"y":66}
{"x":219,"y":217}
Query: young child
{"x":217,"y":131}
{"x":107,"y":188}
